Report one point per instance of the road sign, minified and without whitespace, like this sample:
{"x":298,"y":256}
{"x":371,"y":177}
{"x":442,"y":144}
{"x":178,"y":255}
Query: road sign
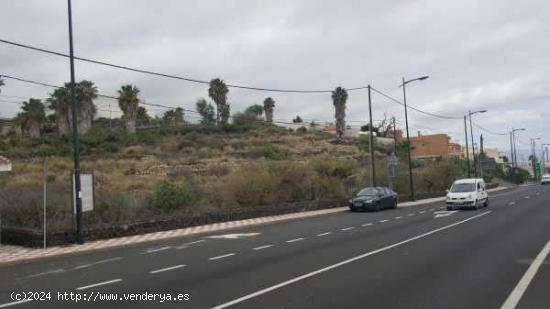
{"x":393,"y":163}
{"x":5,"y":164}
{"x":86,"y":193}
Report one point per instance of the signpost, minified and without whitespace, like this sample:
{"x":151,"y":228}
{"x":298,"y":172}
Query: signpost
{"x":393,"y":164}
{"x":5,"y":166}
{"x":86,"y":192}
{"x":537,"y":170}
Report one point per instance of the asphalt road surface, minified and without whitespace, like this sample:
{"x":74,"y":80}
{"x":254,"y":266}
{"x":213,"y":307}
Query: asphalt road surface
{"x":414,"y":257}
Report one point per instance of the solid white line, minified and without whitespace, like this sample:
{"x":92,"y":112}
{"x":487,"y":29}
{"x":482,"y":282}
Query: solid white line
{"x":324,"y":234}
{"x":60,"y":270}
{"x":98,"y":284}
{"x":156,"y":250}
{"x":366,"y":224}
{"x":399,"y":217}
{"x":340,"y":264}
{"x":221,"y":256}
{"x":15,"y":303}
{"x":514,"y":297}
{"x":166,"y":269}
{"x":382,"y":221}
{"x":295,"y":240}
{"x":347,"y":228}
{"x":109,"y":260}
{"x":263,"y":247}
{"x":83,"y":266}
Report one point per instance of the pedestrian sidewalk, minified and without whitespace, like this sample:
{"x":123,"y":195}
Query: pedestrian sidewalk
{"x":12,"y":254}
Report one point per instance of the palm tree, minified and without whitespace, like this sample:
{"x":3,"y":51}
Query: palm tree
{"x":218,"y":92}
{"x":128,"y":102}
{"x":59,"y":102}
{"x":206,"y":110}
{"x":269,"y":104}
{"x":86,"y":92}
{"x":339,"y":98}
{"x":142,"y":117}
{"x":32,"y":117}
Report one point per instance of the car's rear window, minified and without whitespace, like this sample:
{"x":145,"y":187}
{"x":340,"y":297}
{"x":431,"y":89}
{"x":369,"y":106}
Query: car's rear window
{"x":463,"y":187}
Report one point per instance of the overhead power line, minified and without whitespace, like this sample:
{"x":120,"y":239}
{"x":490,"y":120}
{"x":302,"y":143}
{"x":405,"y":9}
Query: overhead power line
{"x":487,"y":130}
{"x":412,"y":107}
{"x":166,"y":75}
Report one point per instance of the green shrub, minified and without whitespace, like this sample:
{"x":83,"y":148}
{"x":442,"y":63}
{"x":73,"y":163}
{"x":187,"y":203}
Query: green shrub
{"x":169,"y":197}
{"x":274,"y":152}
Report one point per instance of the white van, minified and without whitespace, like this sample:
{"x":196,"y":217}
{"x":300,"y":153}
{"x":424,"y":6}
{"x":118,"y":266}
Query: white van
{"x":545,"y":179}
{"x":469,"y":193}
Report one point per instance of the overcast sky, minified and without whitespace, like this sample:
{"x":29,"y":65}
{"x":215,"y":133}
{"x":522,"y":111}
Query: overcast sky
{"x":490,"y":55}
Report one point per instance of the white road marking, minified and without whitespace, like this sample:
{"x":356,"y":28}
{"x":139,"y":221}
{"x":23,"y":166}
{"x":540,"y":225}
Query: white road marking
{"x":511,"y":203}
{"x":186,"y":245}
{"x":398,"y":217}
{"x":295,"y":239}
{"x":166,"y":269}
{"x":221,"y":256}
{"x":366,"y":224}
{"x":108,"y":260}
{"x":342,"y":263}
{"x":382,"y":221}
{"x":234,"y":236}
{"x":83,"y":266}
{"x":527,"y":196}
{"x":55,"y":271}
{"x":263,"y":247}
{"x":156,"y":250}
{"x":441,"y":207}
{"x":444,"y":213}
{"x":410,"y":215}
{"x":15,"y":303}
{"x":514,"y":297}
{"x":348,"y":228}
{"x":423,"y":211}
{"x":432,"y":209}
{"x":324,"y":234}
{"x":99,"y":284}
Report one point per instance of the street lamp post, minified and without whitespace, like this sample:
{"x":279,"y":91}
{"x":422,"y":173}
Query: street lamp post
{"x":534,"y":155}
{"x":76,"y":141}
{"x":470,"y":113}
{"x":513,"y":146}
{"x":411,"y":184}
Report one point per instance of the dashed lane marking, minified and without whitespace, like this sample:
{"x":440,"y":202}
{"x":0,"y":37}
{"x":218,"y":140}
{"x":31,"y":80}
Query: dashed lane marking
{"x":263,"y":247}
{"x":382,"y":221}
{"x":410,"y":215}
{"x":166,"y":269}
{"x":366,"y":224}
{"x":295,"y":240}
{"x":221,"y":256}
{"x":149,"y":251}
{"x":324,"y":234}
{"x":398,"y":217}
{"x":98,"y":284}
{"x":347,"y":228}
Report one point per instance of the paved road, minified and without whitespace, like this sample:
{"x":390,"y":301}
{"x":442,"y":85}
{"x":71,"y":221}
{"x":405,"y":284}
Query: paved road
{"x":415,"y":257}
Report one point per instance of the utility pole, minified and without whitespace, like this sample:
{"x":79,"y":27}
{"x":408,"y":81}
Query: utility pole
{"x":480,"y":157}
{"x":467,"y":147}
{"x":473,"y":147}
{"x":371,"y":143}
{"x":511,"y":159}
{"x":76,"y":140}
{"x":394,"y":137}
{"x":411,"y":184}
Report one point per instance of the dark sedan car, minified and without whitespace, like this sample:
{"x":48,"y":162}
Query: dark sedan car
{"x":374,"y":198}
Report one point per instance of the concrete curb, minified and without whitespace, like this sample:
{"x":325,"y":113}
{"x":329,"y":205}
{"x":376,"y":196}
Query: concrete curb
{"x":15,"y":254}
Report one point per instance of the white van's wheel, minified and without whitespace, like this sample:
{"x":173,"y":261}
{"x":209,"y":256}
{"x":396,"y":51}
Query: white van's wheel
{"x":486,"y":204}
{"x":476,"y":205}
